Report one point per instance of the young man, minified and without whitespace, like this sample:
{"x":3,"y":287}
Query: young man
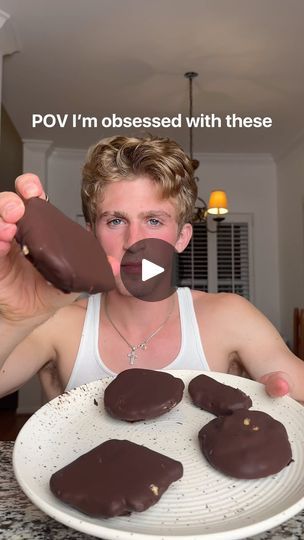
{"x":133,"y":189}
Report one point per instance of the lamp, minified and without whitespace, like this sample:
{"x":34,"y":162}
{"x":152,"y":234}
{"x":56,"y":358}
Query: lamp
{"x":218,"y":205}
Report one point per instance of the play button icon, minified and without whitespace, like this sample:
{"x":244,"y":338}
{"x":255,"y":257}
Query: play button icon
{"x":148,"y":269}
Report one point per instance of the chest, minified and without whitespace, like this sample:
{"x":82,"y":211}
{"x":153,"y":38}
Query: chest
{"x":159,"y":352}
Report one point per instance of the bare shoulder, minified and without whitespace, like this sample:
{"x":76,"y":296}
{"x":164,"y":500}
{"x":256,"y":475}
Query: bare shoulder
{"x":77,"y":309}
{"x":221,"y":303}
{"x":228,"y":312}
{"x":240,"y":320}
{"x":62,"y":320}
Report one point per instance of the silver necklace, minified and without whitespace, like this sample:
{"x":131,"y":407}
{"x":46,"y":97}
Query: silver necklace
{"x":143,"y":345}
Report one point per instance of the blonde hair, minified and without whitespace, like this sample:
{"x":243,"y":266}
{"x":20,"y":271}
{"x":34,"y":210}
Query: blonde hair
{"x":160,"y":159}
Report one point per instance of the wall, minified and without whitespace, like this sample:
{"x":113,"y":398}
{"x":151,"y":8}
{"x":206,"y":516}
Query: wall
{"x":11,"y":150}
{"x":291,"y":233}
{"x":9,"y":43}
{"x":64,"y":179}
{"x":251,"y":185}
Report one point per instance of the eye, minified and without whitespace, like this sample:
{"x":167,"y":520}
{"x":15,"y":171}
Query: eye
{"x":154,"y":222}
{"x":114,"y":222}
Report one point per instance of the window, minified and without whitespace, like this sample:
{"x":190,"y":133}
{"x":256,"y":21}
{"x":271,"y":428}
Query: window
{"x":219,"y":262}
{"x":193,"y":261}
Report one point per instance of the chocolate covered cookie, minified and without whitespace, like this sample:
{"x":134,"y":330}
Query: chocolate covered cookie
{"x":215,"y":397}
{"x":115,"y":478}
{"x":140,"y":394}
{"x":246,"y":444}
{"x":67,"y":255}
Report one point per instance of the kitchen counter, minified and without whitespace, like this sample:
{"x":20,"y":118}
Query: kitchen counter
{"x":20,"y":519}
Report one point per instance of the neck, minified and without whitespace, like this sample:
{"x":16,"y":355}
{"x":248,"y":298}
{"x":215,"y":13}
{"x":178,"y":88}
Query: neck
{"x":132,"y":315}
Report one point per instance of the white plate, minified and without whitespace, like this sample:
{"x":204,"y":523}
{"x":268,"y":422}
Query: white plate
{"x":203,"y":505}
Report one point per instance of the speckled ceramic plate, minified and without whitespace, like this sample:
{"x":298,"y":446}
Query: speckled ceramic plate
{"x":203,"y":505}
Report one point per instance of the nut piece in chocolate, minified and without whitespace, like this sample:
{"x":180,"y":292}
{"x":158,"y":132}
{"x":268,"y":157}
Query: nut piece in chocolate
{"x":139,"y":394}
{"x":215,"y":397}
{"x":67,"y":255}
{"x":115,"y":478}
{"x":246,"y":444}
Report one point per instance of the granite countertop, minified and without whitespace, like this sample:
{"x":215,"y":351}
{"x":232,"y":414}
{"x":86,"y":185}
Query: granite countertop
{"x":20,"y":519}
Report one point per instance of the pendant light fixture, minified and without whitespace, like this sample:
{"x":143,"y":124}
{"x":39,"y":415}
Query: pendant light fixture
{"x":217,"y":206}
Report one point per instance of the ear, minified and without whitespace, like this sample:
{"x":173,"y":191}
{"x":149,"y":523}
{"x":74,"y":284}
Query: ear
{"x":184,"y":238}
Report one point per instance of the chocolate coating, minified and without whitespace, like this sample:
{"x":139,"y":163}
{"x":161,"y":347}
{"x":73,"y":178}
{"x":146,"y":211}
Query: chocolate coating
{"x":215,"y":397}
{"x":246,"y":444}
{"x":139,"y":394}
{"x":65,"y":253}
{"x":115,"y":478}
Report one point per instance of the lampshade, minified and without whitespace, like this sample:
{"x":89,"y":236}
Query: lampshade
{"x":218,"y":203}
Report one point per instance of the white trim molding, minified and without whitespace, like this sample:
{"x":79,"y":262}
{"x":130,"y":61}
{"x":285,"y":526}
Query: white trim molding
{"x":35,"y":158}
{"x":9,"y":43}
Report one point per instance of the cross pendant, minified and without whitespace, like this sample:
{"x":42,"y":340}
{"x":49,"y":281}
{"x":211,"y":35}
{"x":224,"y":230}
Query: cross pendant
{"x":132,"y":356}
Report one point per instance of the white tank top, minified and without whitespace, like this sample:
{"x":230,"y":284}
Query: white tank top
{"x":89,"y":366}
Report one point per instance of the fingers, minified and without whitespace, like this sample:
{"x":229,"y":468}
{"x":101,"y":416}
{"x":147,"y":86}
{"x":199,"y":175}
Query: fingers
{"x":7,"y":233}
{"x":12,"y":207}
{"x":277,"y":384}
{"x":11,"y":210}
{"x":11,"y":204}
{"x":28,"y":185}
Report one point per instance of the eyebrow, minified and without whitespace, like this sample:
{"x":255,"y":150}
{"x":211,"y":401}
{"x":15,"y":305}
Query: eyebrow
{"x":120,"y":213}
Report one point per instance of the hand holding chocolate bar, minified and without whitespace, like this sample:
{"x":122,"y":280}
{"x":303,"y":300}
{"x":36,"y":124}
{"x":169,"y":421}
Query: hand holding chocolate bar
{"x":68,"y":258}
{"x":66,"y":254}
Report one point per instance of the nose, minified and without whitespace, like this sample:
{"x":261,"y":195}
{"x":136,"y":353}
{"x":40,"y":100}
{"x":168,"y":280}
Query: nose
{"x":132,"y":236}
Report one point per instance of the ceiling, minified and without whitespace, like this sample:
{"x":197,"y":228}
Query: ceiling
{"x":99,"y":57}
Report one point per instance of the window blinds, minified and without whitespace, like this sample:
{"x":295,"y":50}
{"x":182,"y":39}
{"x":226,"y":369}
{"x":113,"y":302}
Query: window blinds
{"x":233,"y":259}
{"x":193,"y":262}
{"x":230,"y":254}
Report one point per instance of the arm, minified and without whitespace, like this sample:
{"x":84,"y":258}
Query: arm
{"x":26,"y":299}
{"x":262,"y":350}
{"x":26,"y":360}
